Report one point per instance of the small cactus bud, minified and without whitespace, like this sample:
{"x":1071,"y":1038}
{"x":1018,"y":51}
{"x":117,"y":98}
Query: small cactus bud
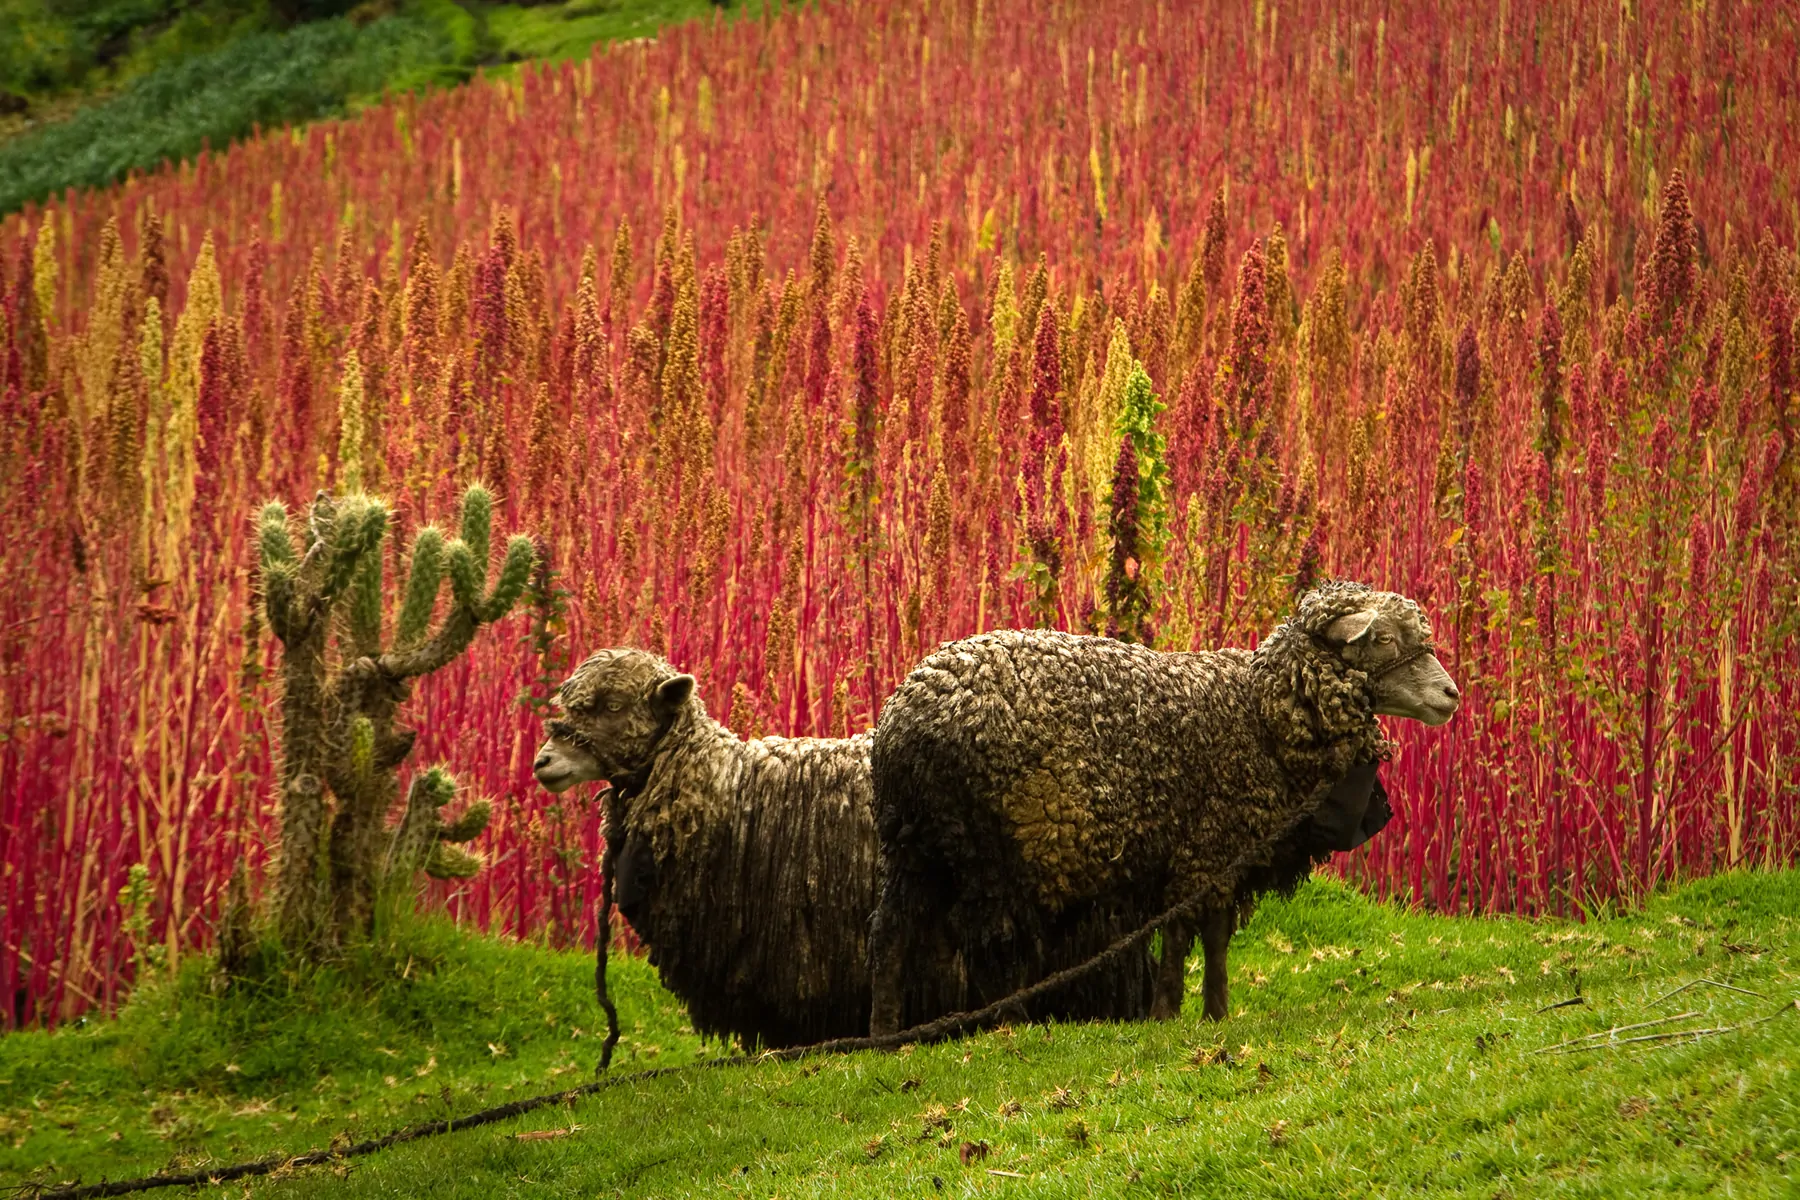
{"x":469,"y":825}
{"x":438,"y":786}
{"x":447,"y":862}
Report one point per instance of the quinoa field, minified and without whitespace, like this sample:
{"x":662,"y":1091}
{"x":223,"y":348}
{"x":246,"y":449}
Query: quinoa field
{"x":804,"y":339}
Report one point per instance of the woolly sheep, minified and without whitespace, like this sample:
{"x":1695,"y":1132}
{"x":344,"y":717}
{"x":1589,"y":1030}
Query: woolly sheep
{"x":748,"y":868}
{"x":1037,"y":793}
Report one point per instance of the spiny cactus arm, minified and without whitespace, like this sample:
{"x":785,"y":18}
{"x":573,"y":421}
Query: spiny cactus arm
{"x":273,"y":543}
{"x":423,"y":580}
{"x":362,"y":747}
{"x":468,"y":575}
{"x":450,"y":640}
{"x":478,"y":521}
{"x":417,"y":831}
{"x":365,"y":604}
{"x":280,"y":571}
{"x":355,"y":534}
{"x":464,"y":559}
{"x":347,"y":757}
{"x":281,"y":603}
{"x":515,"y":572}
{"x":447,"y":862}
{"x":468,"y":826}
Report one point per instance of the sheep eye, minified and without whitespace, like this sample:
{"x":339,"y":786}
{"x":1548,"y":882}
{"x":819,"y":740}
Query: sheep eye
{"x":612,"y":706}
{"x":1384,"y":638}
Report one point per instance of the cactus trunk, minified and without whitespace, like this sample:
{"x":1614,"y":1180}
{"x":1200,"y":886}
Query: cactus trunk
{"x":297,"y":879}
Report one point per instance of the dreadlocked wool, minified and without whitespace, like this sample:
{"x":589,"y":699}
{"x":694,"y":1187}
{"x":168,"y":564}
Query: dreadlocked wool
{"x":1038,"y":792}
{"x":747,"y":868}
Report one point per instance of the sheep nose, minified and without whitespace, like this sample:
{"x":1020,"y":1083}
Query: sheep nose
{"x":1451,"y":692}
{"x":543,"y":760}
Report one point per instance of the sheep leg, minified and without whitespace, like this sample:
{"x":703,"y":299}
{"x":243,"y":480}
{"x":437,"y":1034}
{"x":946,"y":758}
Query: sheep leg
{"x":1171,"y":971}
{"x":886,"y":958}
{"x":1216,"y":927}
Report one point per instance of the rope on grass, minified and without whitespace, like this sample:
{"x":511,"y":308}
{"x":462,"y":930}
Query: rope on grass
{"x":942,"y":1029}
{"x":279,"y":1165}
{"x":603,"y":935}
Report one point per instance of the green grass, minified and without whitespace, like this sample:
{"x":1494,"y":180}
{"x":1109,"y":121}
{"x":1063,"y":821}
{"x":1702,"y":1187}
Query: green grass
{"x":560,"y":31}
{"x":263,"y":79}
{"x":1371,"y":1051}
{"x":213,"y":73}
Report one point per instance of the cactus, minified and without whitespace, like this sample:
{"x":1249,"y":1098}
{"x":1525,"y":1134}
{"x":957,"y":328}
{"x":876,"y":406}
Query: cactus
{"x":341,"y":746}
{"x":423,"y":842}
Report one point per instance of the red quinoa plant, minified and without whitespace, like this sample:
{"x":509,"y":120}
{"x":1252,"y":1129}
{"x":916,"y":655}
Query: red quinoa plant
{"x":1495,"y":308}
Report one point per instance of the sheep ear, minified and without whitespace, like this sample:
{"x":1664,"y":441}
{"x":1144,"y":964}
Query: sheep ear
{"x":671,"y":694}
{"x":1349,"y":630}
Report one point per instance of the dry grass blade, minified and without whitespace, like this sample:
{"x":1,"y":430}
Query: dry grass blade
{"x":1780,"y":1012}
{"x":1616,"y":1030}
{"x":1672,"y":1037}
{"x":1710,"y":983}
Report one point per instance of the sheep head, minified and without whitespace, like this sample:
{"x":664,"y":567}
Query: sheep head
{"x":1389,"y":639}
{"x":1348,"y":653}
{"x":612,"y":713}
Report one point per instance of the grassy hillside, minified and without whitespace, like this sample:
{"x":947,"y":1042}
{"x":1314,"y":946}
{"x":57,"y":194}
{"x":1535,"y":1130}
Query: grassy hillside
{"x":89,"y":93}
{"x":1371,"y":1051}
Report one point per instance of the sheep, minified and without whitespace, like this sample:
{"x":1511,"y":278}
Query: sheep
{"x":1354,"y":811}
{"x":1037,"y":792}
{"x":748,"y":868}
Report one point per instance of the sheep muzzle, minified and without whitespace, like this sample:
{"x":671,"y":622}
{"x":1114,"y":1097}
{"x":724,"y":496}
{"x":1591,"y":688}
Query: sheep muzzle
{"x":565,"y":759}
{"x":1415,"y":686}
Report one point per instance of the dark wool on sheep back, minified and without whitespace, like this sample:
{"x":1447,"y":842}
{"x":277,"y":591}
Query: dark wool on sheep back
{"x":748,"y":868}
{"x":1038,"y":792}
{"x":757,"y":914}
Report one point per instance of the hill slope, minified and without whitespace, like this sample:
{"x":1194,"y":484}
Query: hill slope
{"x":1371,"y":1050}
{"x":86,"y":98}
